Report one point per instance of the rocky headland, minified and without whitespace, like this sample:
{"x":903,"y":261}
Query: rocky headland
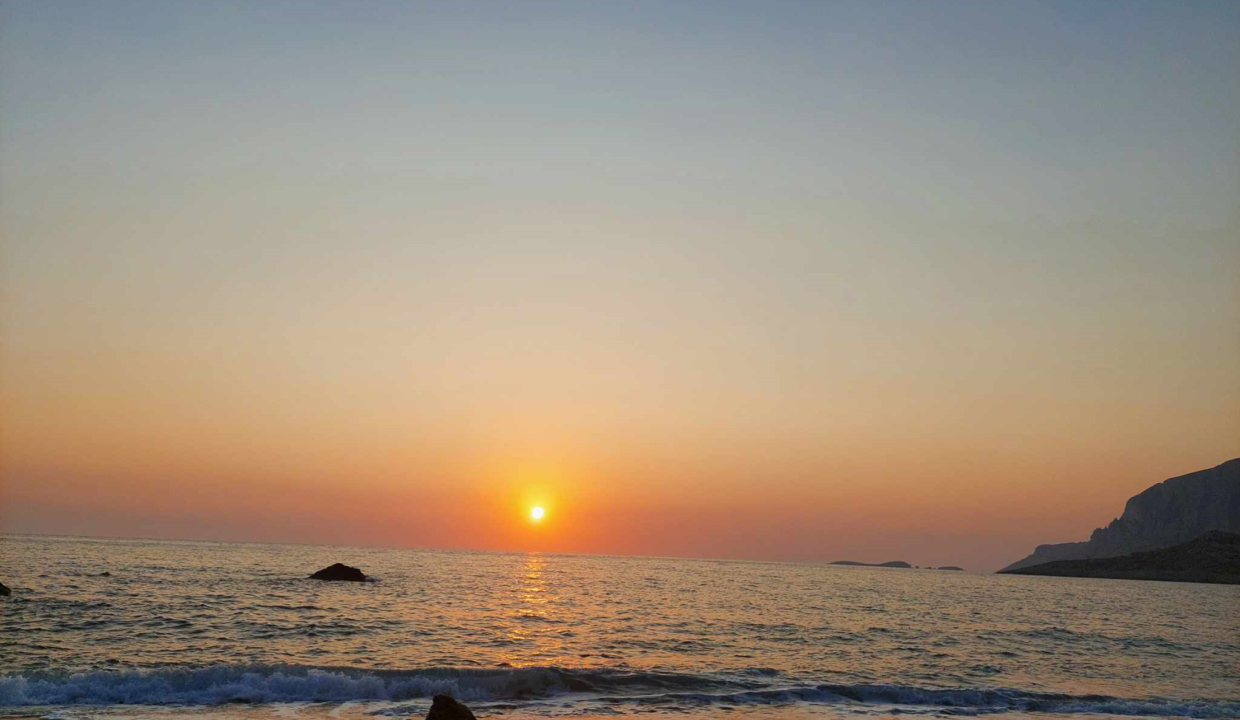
{"x":1170,"y":513}
{"x":1212,"y":558}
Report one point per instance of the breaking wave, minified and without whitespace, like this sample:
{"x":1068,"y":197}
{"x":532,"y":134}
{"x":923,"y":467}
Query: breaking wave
{"x":614,"y":689}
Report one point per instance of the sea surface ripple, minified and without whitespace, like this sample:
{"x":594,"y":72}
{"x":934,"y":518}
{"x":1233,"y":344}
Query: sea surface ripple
{"x":204,"y":624}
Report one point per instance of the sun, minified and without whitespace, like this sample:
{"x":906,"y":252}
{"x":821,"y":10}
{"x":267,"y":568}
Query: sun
{"x":537,"y":512}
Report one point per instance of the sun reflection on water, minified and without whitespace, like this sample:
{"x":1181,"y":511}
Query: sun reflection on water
{"x":212,"y":604}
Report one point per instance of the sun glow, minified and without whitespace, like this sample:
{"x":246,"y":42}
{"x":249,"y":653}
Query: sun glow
{"x":537,"y":512}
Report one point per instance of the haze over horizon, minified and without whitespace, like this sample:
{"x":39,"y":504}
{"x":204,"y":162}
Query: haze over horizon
{"x":816,"y":281}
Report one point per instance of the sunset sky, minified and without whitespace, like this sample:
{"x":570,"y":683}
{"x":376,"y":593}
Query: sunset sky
{"x":794,"y":281}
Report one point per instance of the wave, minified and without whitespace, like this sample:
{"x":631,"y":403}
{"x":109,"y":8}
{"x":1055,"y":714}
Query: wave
{"x":602,"y":688}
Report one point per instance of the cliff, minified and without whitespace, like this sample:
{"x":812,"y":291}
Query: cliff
{"x":1212,"y":558}
{"x":1172,"y":512}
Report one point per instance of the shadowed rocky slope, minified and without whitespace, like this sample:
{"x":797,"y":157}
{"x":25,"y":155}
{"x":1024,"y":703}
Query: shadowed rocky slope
{"x":1211,"y":558}
{"x":1170,"y":513}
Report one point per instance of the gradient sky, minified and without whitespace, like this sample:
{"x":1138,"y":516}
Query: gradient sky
{"x":805,"y":281}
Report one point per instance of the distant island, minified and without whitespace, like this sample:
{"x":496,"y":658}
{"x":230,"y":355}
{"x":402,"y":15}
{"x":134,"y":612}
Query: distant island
{"x":1212,"y":558}
{"x":894,"y":564}
{"x":1170,"y":513}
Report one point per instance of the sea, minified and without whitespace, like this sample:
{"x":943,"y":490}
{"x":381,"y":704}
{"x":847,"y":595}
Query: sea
{"x":210,"y":631}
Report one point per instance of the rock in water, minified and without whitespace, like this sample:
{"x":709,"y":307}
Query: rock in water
{"x":340,"y":571}
{"x":4,"y":590}
{"x":445,"y":707}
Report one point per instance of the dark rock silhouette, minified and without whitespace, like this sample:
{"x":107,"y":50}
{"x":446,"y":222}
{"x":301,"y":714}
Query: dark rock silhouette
{"x":1169,"y":513}
{"x":4,"y":590}
{"x":340,"y":571}
{"x":952,"y":567}
{"x":445,"y":707}
{"x":105,"y":573}
{"x":891,"y":564}
{"x":1212,"y":558}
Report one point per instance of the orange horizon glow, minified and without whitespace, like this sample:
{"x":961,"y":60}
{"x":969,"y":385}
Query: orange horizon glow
{"x":725,"y":520}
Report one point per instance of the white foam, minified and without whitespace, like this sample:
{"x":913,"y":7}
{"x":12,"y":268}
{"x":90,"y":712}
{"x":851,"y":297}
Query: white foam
{"x":593,"y":689}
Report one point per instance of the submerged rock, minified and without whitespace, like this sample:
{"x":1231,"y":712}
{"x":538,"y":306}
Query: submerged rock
{"x":4,"y":590}
{"x":445,"y":707}
{"x":340,"y":571}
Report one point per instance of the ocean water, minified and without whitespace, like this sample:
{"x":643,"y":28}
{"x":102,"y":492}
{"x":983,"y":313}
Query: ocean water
{"x":217,"y":630}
